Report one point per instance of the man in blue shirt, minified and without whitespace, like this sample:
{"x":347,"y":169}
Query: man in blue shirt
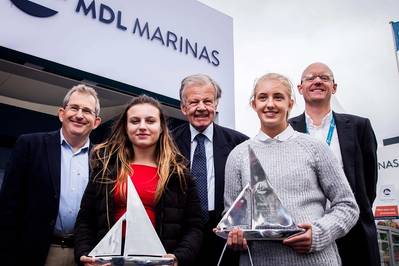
{"x":43,"y":185}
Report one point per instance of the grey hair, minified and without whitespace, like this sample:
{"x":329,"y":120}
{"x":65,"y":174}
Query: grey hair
{"x":273,"y":76}
{"x":199,"y":80}
{"x":82,"y":88}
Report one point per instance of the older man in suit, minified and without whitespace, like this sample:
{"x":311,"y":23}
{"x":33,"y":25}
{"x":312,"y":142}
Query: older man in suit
{"x":43,"y":186}
{"x":199,"y":95}
{"x":352,"y":140}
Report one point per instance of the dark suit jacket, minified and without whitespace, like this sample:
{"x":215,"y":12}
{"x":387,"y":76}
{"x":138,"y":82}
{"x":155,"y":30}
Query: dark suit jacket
{"x":224,"y":140}
{"x":359,"y":155}
{"x":29,"y":199}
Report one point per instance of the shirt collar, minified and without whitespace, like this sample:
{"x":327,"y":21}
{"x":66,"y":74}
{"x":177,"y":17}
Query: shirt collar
{"x":326,"y":119}
{"x":287,"y":133}
{"x":208,"y":132}
{"x":63,"y":141}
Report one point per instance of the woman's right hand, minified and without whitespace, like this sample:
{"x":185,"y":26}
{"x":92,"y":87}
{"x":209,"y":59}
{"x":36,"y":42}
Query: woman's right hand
{"x":90,"y":261}
{"x":236,"y":240}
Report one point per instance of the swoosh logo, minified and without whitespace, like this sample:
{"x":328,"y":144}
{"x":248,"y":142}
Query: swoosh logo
{"x":34,"y":9}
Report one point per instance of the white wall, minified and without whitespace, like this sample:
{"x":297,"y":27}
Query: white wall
{"x":353,"y":37}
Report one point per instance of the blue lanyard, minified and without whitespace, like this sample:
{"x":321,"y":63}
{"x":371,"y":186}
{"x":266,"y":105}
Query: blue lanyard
{"x":330,"y":130}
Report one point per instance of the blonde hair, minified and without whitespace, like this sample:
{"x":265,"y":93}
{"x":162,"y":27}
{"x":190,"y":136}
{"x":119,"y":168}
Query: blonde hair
{"x":117,"y":152}
{"x":277,"y":77}
{"x":273,"y":76}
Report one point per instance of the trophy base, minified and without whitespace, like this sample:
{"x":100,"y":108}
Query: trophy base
{"x":136,"y":261}
{"x":262,"y":234}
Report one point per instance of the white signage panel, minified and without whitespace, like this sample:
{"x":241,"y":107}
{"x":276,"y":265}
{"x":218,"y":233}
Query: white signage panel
{"x":148,"y":44}
{"x":387,"y":200}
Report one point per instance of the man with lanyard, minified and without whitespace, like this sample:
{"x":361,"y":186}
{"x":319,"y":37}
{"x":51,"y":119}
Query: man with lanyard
{"x":44,"y":183}
{"x":352,"y":140}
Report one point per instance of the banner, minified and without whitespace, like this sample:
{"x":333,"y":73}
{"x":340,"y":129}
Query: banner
{"x":395,"y":29}
{"x":387,"y":200}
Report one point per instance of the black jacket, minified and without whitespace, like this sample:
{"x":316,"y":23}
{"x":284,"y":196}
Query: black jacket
{"x":359,"y":156}
{"x":178,"y":219}
{"x":224,"y":141}
{"x":29,"y":199}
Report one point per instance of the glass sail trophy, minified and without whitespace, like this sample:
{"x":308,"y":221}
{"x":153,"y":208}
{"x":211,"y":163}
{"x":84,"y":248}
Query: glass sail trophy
{"x":141,"y":246}
{"x":257,"y":210}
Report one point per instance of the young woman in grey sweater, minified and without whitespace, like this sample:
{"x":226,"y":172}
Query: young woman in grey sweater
{"x":305,"y":175}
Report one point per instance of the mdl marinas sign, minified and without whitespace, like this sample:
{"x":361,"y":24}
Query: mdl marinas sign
{"x":148,"y":44}
{"x":106,"y":14}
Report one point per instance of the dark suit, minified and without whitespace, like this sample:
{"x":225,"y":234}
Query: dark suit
{"x":224,"y":140}
{"x":359,"y":155}
{"x":29,"y":199}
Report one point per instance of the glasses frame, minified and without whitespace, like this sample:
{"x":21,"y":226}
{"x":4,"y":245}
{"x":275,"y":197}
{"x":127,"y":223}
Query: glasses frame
{"x":86,"y":111}
{"x":322,"y":77}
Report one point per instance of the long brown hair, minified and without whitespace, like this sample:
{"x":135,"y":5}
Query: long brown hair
{"x":117,"y":153}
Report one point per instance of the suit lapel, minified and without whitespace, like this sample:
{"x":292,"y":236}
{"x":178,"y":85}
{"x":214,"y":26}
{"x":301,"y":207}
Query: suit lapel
{"x":346,"y":141}
{"x":298,"y":123}
{"x":346,"y":144}
{"x":220,"y":152}
{"x":54,"y":159}
{"x":185,"y":142}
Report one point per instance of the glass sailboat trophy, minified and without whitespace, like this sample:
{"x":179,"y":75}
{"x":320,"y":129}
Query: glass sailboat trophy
{"x":257,"y":210}
{"x":141,"y":245}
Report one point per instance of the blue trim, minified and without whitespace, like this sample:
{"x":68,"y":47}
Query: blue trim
{"x":79,"y":75}
{"x":330,"y":130}
{"x":34,"y":9}
{"x":395,"y":28}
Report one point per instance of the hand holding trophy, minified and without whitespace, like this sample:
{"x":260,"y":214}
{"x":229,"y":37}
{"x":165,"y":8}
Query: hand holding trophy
{"x":257,"y":213}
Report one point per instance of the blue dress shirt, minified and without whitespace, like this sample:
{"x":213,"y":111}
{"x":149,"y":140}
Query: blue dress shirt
{"x":74,"y":178}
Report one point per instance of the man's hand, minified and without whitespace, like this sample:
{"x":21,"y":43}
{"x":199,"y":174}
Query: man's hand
{"x":169,"y":255}
{"x":301,"y":242}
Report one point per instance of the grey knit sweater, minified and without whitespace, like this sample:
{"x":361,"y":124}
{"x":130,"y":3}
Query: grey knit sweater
{"x":304,"y":173}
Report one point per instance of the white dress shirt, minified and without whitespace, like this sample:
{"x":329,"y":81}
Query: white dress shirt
{"x":286,"y":134}
{"x":208,"y":132}
{"x":321,"y":132}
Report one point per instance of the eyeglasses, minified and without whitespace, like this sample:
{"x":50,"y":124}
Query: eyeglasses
{"x":324,"y":78}
{"x":86,"y":111}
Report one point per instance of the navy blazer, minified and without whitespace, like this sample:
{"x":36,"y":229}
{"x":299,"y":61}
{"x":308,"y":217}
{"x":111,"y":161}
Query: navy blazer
{"x":224,"y":141}
{"x":359,"y":155}
{"x":29,"y":199}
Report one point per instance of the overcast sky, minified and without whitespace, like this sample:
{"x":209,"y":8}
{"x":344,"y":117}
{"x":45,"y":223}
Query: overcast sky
{"x":353,"y":37}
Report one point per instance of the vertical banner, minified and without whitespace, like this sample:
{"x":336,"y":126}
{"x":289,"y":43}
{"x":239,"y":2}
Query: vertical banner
{"x":387,"y":200}
{"x":395,"y":29}
{"x":395,"y":32}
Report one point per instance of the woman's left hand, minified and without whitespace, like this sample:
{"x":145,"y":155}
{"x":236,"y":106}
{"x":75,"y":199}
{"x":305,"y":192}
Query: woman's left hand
{"x":169,"y":255}
{"x":302,"y":242}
